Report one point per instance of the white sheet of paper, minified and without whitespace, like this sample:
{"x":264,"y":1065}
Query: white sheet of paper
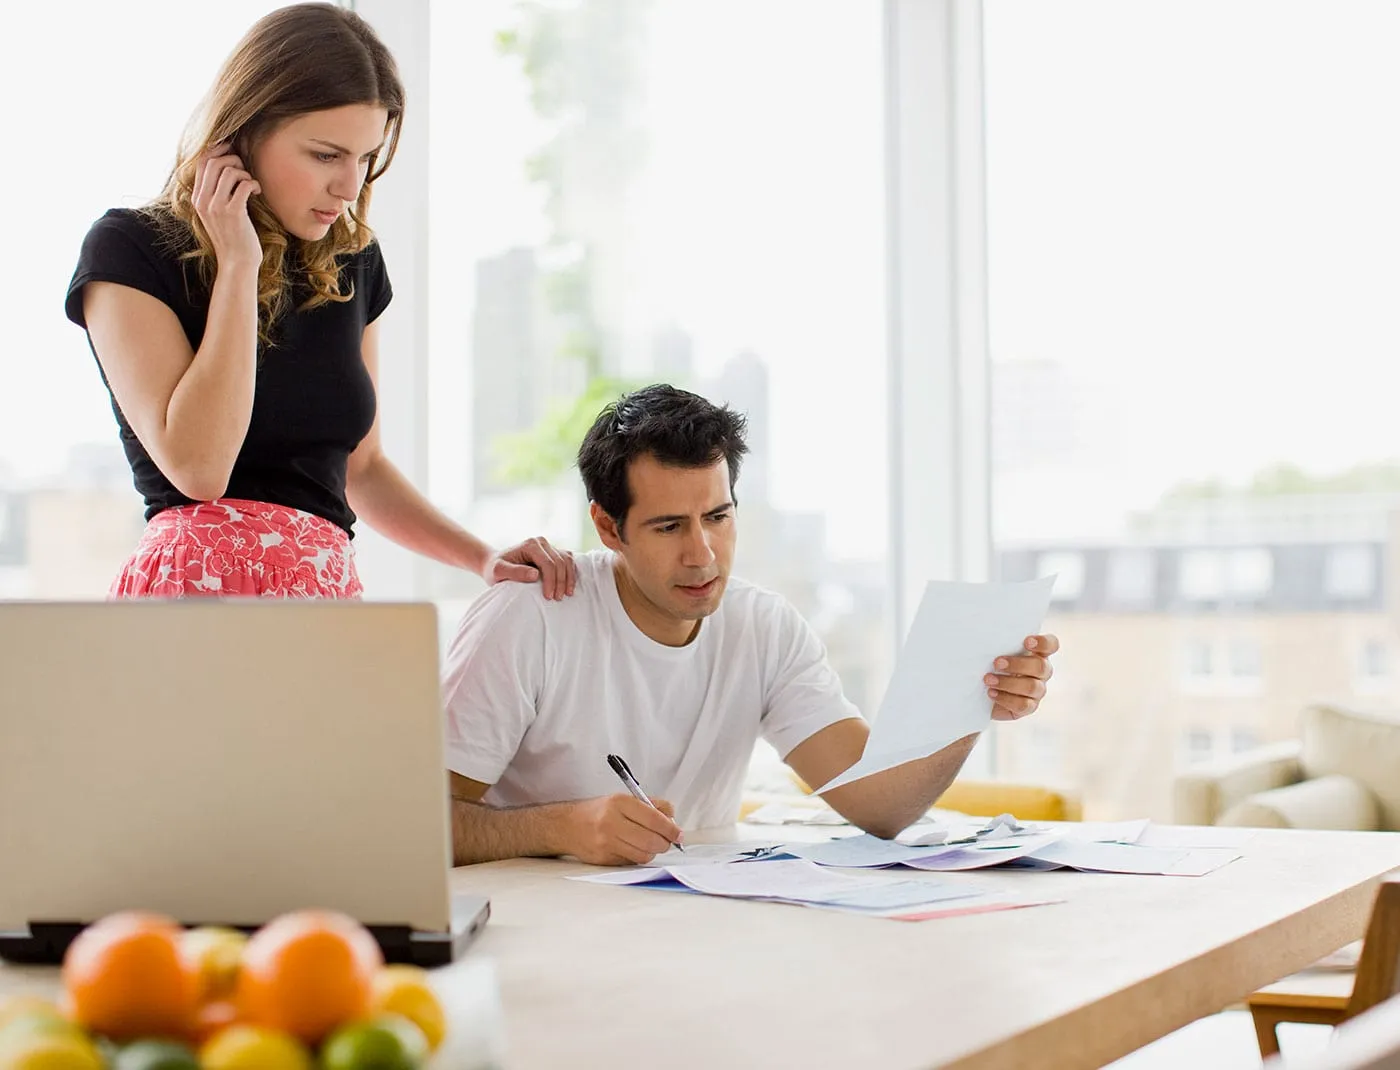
{"x":699,"y":853}
{"x":634,"y":875}
{"x":776,"y":813}
{"x":796,"y":880}
{"x":952,"y":859}
{"x":936,"y":695}
{"x":1200,"y":861}
{"x":785,"y":879}
{"x":1103,"y":831}
{"x":973,"y":902}
{"x":968,"y":830}
{"x":858,"y":852}
{"x":1134,"y":858}
{"x":1195,"y":836}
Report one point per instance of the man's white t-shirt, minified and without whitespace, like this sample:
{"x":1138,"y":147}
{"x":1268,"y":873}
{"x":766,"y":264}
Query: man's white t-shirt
{"x":538,"y":693}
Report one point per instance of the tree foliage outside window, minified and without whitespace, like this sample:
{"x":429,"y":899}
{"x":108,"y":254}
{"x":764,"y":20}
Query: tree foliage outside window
{"x":582,"y":64}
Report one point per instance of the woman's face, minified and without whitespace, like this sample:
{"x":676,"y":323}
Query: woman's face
{"x":312,"y":167}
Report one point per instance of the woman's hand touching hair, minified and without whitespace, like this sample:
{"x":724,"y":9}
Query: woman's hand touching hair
{"x":222,"y":187}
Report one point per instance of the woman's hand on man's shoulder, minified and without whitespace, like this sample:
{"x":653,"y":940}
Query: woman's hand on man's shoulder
{"x":531,"y":561}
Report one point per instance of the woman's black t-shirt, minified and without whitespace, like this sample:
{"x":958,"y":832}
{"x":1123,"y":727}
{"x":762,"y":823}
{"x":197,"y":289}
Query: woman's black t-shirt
{"x":314,"y":399}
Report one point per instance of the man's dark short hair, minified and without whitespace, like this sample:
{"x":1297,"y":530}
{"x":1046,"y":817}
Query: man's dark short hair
{"x":676,"y":427}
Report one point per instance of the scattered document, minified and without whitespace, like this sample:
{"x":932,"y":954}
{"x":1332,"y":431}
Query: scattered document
{"x":799,"y":881}
{"x":953,"y":858}
{"x":859,"y":852}
{"x":803,"y":883}
{"x":807,"y":874}
{"x":1134,"y":858}
{"x":967,"y":830}
{"x":1101,"y":831}
{"x":697,"y":853}
{"x":792,"y":880}
{"x":936,"y":695}
{"x":778,"y":813}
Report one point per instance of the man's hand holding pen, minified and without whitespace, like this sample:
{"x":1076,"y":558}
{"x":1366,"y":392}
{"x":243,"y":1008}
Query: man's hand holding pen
{"x":619,"y":830}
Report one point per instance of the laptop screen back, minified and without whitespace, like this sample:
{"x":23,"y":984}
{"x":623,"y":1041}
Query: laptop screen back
{"x":222,"y":761}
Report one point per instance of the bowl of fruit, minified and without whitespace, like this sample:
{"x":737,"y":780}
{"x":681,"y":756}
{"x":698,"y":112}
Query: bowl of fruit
{"x":308,"y":991}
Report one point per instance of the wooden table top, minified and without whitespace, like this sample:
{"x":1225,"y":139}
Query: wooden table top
{"x":594,"y":976}
{"x":590,"y":972}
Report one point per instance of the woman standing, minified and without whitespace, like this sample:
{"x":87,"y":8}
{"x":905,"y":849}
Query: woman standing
{"x":235,"y":324}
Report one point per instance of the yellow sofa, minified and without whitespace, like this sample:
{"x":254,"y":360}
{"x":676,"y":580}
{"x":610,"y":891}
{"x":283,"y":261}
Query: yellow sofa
{"x":1025,"y":802}
{"x":980,"y":798}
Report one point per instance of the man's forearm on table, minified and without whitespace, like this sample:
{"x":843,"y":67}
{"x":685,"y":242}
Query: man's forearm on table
{"x":482,"y":833}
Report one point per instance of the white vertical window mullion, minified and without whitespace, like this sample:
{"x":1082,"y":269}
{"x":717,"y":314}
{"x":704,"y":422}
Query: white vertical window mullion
{"x":399,"y":215}
{"x":940,"y":465}
{"x":939,"y":426}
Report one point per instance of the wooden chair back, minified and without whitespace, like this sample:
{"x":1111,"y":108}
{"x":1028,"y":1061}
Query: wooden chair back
{"x":1378,"y":971}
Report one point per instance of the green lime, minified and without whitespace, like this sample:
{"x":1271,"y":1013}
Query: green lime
{"x":388,"y":1042}
{"x":155,"y":1055}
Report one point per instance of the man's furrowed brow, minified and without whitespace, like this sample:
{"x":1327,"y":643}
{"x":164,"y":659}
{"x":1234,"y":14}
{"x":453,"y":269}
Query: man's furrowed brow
{"x":678,"y":517}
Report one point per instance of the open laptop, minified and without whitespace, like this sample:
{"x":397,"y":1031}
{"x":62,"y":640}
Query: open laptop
{"x":222,"y":762}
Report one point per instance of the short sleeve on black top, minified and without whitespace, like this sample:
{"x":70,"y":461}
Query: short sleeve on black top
{"x":118,"y":248}
{"x":314,"y":399}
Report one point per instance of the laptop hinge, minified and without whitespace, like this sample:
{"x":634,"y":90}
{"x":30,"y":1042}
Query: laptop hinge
{"x":42,"y":943}
{"x":46,"y":942}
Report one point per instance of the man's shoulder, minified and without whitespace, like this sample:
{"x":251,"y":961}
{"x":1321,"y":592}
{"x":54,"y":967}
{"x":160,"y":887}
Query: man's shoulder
{"x":524,"y":606}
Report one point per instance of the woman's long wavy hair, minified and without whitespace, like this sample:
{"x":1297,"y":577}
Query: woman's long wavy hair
{"x":299,"y":59}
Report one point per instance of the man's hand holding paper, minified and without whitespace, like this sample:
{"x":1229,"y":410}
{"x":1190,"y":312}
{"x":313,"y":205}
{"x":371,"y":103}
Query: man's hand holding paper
{"x":958,"y":670}
{"x":1017,"y":682}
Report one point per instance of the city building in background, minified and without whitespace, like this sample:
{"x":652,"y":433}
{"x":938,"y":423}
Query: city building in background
{"x":65,"y":537}
{"x":1203,"y":635}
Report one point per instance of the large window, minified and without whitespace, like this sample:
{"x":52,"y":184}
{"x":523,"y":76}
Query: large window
{"x":1192,"y":224}
{"x":98,"y":97}
{"x":624,"y":192}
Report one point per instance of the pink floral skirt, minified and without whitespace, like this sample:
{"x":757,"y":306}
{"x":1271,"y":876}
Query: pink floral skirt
{"x":231,"y":547}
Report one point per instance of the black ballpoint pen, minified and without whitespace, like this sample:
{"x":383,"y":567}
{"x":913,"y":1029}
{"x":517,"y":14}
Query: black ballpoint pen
{"x":624,"y":774}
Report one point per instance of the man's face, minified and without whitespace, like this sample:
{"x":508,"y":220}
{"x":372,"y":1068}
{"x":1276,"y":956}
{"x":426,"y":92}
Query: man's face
{"x":677,"y":542}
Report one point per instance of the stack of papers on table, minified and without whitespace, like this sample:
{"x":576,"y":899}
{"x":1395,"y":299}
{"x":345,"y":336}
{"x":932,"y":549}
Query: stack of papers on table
{"x":805,"y":873}
{"x":803,"y":883}
{"x":1037,"y":851}
{"x":1120,"y":847}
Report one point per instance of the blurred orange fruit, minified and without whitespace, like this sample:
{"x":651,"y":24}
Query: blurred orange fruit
{"x":405,"y":990}
{"x":307,"y":972}
{"x":212,"y":954}
{"x":124,"y":978}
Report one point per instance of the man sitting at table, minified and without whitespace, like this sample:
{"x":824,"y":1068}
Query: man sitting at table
{"x":661,"y":657}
